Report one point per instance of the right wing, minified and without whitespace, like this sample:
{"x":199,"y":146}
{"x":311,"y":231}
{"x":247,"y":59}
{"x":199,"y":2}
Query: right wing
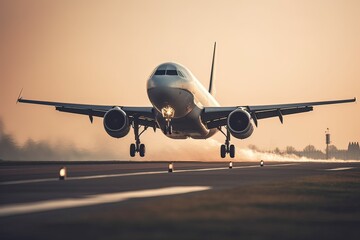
{"x":144,"y":115}
{"x":215,"y":117}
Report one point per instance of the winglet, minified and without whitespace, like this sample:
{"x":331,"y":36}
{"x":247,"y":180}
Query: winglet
{"x":211,"y":89}
{"x":20,"y":96}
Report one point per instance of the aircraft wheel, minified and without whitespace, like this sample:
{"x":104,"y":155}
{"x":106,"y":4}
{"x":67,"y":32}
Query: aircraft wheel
{"x":142,"y":150}
{"x":132,"y":150}
{"x":232,"y":151}
{"x":222,"y":151}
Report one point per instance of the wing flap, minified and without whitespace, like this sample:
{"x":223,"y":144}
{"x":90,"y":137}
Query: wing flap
{"x":84,"y":111}
{"x":145,"y":115}
{"x":67,"y":105}
{"x":275,"y":113}
{"x":215,"y":117}
{"x":297,"y":105}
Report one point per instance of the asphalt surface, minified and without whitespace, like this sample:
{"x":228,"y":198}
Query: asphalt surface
{"x":35,"y":204}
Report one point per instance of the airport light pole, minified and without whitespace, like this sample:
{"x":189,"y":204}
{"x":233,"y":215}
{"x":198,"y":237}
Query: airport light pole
{"x":327,"y":139}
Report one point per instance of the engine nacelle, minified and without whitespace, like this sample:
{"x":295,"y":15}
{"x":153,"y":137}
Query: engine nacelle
{"x":116,"y":123}
{"x":239,"y":124}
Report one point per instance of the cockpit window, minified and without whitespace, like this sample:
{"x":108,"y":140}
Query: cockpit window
{"x":171,"y":72}
{"x":181,"y":74}
{"x":160,"y":72}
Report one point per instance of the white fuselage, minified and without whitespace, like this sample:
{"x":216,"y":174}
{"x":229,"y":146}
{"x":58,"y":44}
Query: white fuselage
{"x":173,"y":86}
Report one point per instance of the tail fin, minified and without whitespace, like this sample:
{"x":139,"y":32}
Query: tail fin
{"x":211,"y":88}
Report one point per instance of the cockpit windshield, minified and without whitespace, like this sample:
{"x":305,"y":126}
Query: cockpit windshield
{"x":160,"y":72}
{"x":170,"y":70}
{"x":169,"y":73}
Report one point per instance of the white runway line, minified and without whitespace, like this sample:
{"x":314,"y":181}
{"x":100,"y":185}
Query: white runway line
{"x":15,"y":209}
{"x":137,"y":174}
{"x":29,"y":181}
{"x":81,"y":178}
{"x":339,"y":169}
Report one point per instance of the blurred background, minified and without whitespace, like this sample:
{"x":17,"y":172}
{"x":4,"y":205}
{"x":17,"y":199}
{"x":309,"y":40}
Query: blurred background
{"x":102,"y":52}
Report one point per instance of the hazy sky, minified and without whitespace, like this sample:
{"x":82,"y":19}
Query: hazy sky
{"x":102,"y":52}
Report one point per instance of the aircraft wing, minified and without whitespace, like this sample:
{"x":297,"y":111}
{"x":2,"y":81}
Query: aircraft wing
{"x":215,"y":117}
{"x":145,"y":115}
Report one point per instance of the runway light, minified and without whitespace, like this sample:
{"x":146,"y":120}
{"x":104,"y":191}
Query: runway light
{"x":62,"y":173}
{"x":261,"y":163}
{"x":171,"y":167}
{"x":230,"y":165}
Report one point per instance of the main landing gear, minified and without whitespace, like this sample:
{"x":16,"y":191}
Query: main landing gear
{"x":137,"y":146}
{"x":227,"y":148}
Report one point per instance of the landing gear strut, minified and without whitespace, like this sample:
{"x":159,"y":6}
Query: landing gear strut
{"x":137,"y":146}
{"x":168,"y":113}
{"x":227,"y":148}
{"x":168,"y":127}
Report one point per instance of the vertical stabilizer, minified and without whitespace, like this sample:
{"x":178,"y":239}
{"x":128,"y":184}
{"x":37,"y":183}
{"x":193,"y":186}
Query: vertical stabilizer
{"x":211,"y":88}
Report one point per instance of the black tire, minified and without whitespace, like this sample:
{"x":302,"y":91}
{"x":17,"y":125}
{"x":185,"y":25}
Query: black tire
{"x":223,"y":151}
{"x":232,"y":151}
{"x":132,"y":150}
{"x":142,"y":150}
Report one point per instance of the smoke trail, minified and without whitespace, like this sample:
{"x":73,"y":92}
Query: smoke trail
{"x":253,"y":155}
{"x":174,"y":150}
{"x":209,"y":150}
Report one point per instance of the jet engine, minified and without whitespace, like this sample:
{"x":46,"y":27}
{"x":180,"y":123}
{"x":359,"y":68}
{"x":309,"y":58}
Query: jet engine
{"x":116,"y":123}
{"x":239,"y":124}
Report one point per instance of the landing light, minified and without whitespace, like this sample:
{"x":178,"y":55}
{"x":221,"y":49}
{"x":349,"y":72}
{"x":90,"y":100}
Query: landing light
{"x":261,"y":163}
{"x":168,"y":112}
{"x":62,"y":173}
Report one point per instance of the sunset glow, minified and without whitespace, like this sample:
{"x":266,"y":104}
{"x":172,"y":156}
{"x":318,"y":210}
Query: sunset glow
{"x":102,"y":52}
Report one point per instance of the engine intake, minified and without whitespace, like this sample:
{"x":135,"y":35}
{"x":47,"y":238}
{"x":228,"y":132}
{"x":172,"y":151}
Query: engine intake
{"x":116,"y":123}
{"x":239,"y":124}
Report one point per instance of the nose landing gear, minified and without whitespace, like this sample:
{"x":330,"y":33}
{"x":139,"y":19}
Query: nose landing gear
{"x":168,"y":113}
{"x":227,"y":148}
{"x":168,"y":127}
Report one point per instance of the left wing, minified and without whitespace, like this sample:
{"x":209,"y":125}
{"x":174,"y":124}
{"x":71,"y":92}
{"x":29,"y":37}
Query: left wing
{"x":215,"y":117}
{"x":144,"y":115}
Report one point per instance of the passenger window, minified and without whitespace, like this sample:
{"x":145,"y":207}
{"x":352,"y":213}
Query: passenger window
{"x":171,"y":72}
{"x":160,"y":72}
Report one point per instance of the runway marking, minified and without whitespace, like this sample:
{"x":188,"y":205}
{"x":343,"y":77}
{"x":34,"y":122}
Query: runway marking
{"x":224,"y":168}
{"x":80,"y":178}
{"x":15,"y":209}
{"x":339,"y":169}
{"x":137,"y":174}
{"x":29,"y":181}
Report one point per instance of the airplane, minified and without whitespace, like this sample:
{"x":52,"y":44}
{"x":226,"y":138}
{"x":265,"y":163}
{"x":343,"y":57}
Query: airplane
{"x":182,"y":108}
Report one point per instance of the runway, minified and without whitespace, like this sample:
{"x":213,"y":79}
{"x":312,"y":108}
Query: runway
{"x":137,"y":200}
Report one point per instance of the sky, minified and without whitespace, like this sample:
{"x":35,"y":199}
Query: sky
{"x":102,"y":52}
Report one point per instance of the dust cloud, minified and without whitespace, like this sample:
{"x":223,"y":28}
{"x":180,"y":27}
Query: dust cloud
{"x":209,"y":150}
{"x":174,"y":150}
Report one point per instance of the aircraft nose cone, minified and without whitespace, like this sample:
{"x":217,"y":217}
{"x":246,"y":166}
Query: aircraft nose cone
{"x":162,"y":81}
{"x":181,"y":100}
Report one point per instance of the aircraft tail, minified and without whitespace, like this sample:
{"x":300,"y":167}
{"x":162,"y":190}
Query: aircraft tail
{"x":211,"y":87}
